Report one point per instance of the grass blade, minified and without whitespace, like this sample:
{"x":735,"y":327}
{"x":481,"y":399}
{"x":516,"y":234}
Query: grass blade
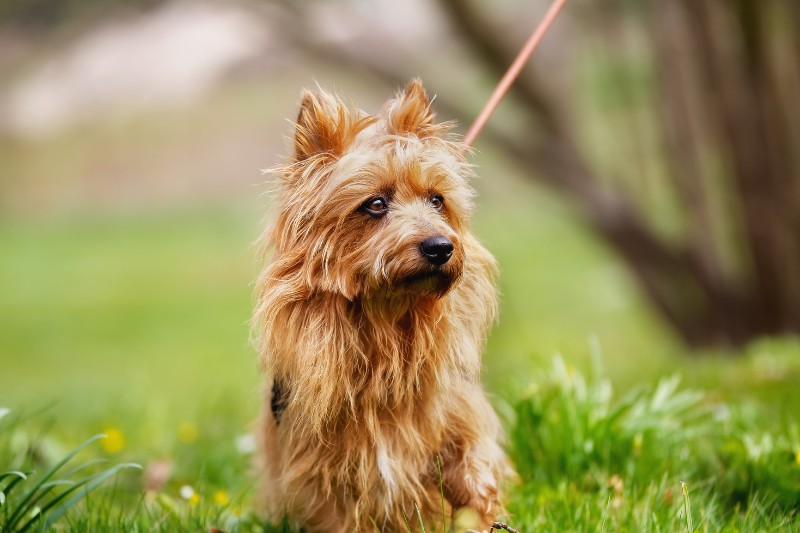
{"x":405,"y":519}
{"x":20,"y":475}
{"x":374,"y":524}
{"x":84,"y":467}
{"x":687,"y":508}
{"x":605,"y":511}
{"x":441,"y":492}
{"x":45,"y":489}
{"x":85,"y":486}
{"x":23,"y":505}
{"x":419,"y":515}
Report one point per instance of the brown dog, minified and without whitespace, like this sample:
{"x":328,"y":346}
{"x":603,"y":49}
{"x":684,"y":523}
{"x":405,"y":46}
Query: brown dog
{"x":372,"y":314}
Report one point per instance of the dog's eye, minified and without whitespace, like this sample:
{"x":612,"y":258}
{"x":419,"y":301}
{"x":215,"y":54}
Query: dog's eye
{"x":375,"y":206}
{"x":437,"y":202}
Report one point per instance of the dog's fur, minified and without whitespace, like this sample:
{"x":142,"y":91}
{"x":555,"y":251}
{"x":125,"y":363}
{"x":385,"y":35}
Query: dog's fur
{"x":372,"y":352}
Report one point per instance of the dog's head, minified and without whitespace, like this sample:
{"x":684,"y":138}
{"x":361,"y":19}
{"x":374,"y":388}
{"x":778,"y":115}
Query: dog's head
{"x":372,"y":205}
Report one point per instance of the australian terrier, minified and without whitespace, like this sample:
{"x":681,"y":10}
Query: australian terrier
{"x":372,"y":314}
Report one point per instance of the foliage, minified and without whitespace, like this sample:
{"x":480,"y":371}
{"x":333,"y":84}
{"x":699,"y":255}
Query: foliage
{"x":590,"y":461}
{"x":33,"y":500}
{"x":658,"y":458}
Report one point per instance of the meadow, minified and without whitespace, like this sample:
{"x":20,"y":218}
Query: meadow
{"x":133,"y":322}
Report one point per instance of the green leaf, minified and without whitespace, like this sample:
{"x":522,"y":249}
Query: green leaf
{"x":20,"y":477}
{"x":17,"y":515}
{"x":13,"y":473}
{"x":90,"y":485}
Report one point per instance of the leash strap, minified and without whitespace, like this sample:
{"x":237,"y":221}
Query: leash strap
{"x":513,"y":71}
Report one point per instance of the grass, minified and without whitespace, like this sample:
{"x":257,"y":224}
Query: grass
{"x":658,"y":458}
{"x":133,"y":322}
{"x":591,"y":461}
{"x":35,"y":500}
{"x":137,"y":327}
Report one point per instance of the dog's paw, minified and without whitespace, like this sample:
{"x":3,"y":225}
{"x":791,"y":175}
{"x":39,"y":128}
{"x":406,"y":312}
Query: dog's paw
{"x":481,"y":485}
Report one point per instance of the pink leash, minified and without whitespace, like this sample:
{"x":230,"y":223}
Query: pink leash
{"x":513,"y":71}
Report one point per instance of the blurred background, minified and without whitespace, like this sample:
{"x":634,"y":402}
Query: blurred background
{"x":640,"y":187}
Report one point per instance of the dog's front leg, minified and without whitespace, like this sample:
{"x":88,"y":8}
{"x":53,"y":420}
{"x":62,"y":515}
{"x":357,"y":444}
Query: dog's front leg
{"x":473,"y":480}
{"x":473,"y":463}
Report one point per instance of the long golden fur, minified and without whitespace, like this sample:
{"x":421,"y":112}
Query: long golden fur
{"x":373,"y":352}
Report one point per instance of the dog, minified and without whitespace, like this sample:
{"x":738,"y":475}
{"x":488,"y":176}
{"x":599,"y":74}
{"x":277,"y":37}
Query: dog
{"x":371,"y":317}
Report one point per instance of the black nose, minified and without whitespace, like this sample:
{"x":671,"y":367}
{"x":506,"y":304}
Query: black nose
{"x":437,"y":250}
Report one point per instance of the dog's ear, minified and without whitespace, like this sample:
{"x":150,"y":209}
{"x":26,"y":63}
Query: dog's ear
{"x":325,"y":126}
{"x":317,"y":129}
{"x":410,"y":112}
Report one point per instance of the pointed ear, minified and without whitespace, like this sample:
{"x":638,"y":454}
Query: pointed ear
{"x":410,"y":112}
{"x":316,"y":127}
{"x":325,"y":126}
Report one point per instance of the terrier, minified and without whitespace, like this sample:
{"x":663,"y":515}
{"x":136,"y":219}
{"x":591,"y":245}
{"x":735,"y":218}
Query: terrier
{"x":372,"y":314}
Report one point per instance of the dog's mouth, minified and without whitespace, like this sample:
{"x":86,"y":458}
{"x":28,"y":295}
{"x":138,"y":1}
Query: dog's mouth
{"x":429,"y":282}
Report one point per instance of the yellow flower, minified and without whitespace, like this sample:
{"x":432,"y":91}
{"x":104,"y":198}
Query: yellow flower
{"x":187,"y":432}
{"x":797,"y":458}
{"x":194,"y":499}
{"x":638,"y":439}
{"x":114,"y":441}
{"x":221,"y":498}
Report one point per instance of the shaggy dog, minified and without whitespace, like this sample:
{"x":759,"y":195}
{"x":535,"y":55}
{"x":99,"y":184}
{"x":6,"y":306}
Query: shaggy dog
{"x":372,"y":314}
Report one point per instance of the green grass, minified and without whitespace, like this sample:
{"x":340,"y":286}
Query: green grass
{"x":138,"y":325}
{"x":659,"y":458}
{"x":37,"y":495}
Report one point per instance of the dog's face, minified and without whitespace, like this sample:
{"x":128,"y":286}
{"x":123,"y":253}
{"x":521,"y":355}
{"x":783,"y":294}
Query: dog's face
{"x":373,"y":205}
